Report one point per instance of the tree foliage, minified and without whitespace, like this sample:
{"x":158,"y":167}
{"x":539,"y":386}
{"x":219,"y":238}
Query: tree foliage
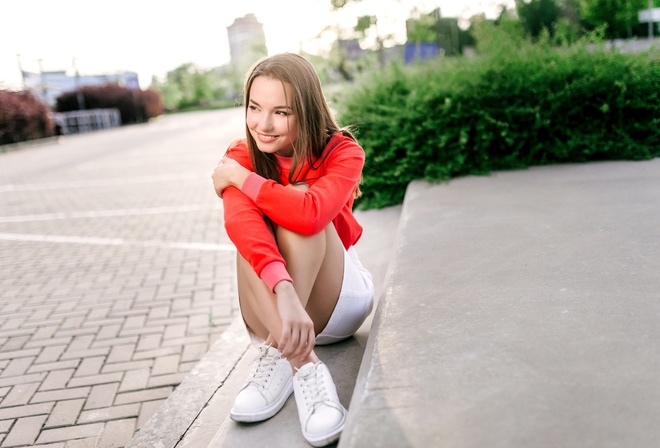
{"x":422,"y":29}
{"x":189,"y":86}
{"x":538,"y":15}
{"x":608,"y":12}
{"x":620,"y":17}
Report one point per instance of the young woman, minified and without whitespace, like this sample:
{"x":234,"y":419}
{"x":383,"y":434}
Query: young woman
{"x":288,"y":191}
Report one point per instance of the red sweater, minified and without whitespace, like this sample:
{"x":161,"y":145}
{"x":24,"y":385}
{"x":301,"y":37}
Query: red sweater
{"x":329,"y":199}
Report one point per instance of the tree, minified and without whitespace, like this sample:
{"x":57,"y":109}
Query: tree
{"x":190,"y":86}
{"x":423,"y":29}
{"x":568,"y":28}
{"x":449,"y":35}
{"x":538,"y":15}
{"x":618,"y":16}
{"x":367,"y":27}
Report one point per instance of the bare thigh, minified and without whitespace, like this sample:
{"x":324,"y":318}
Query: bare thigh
{"x":316,"y":265}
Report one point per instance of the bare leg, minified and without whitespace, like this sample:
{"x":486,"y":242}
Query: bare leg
{"x":250,"y":286}
{"x":316,"y":265}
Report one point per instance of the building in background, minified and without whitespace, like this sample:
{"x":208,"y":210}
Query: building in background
{"x":247,"y":41}
{"x":47,"y":86}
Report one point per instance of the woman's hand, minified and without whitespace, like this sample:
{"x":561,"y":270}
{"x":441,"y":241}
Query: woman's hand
{"x":228,"y":173}
{"x":297,"y":339}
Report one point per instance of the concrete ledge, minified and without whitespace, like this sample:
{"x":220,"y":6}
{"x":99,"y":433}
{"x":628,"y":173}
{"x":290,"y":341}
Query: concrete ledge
{"x":172,"y":420}
{"x":521,"y":309}
{"x":30,"y":144}
{"x":196,"y":414}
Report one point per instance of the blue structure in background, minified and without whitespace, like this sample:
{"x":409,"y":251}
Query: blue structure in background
{"x":421,"y":51}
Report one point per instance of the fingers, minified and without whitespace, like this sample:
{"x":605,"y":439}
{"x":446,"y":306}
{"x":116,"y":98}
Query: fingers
{"x":305,"y":344}
{"x":216,"y":185}
{"x":219,"y":182}
{"x":292,"y":347}
{"x":297,"y":342}
{"x":283,"y":343}
{"x":226,"y":161}
{"x":311,"y":340}
{"x":297,"y":336}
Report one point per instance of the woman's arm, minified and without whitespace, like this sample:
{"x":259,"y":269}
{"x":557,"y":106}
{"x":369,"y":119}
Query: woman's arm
{"x":309,"y":212}
{"x":244,"y":222}
{"x":247,"y":229}
{"x":229,"y":172}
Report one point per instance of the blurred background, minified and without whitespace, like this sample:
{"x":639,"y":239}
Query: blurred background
{"x":147,"y":58}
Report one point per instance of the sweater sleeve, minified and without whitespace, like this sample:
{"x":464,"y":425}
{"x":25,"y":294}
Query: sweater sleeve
{"x":247,"y":229}
{"x":309,"y":212}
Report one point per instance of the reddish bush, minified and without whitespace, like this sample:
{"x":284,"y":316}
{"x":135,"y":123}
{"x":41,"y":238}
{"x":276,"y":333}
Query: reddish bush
{"x":134,"y":106}
{"x":23,"y":117}
{"x":152,"y":103}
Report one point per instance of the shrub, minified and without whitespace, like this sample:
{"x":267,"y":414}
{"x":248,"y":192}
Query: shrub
{"x":134,"y":106}
{"x":516,"y":107}
{"x":23,"y":117}
{"x":152,"y":103}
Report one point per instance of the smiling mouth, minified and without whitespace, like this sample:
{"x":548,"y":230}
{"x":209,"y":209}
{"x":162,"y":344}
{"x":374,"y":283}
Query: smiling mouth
{"x":266,"y":138}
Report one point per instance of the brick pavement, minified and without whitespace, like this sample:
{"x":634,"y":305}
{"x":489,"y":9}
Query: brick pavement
{"x":116,"y":277}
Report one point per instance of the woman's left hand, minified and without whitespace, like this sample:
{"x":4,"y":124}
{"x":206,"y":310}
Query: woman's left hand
{"x":228,"y":173}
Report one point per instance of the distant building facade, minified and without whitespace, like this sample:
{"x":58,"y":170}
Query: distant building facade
{"x":247,"y":41}
{"x":47,"y":86}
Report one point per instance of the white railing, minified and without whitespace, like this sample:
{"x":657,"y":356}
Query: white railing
{"x":81,"y":121}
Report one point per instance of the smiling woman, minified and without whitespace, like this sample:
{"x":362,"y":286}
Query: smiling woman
{"x":288,"y":189}
{"x":270,"y":118}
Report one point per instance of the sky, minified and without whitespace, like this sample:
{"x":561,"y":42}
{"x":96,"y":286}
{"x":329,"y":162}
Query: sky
{"x":152,"y":37}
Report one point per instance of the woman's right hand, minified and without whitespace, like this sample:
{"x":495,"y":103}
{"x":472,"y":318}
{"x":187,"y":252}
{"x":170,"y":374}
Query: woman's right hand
{"x":298,"y":337}
{"x":228,"y":173}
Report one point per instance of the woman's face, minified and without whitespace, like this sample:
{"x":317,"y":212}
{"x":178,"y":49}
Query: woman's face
{"x":269,"y":116}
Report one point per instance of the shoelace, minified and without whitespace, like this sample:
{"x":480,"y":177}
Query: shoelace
{"x":261,"y":373}
{"x":313,"y":388}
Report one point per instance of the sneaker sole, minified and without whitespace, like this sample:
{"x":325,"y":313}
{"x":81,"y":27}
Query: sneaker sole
{"x":264,"y":413}
{"x":325,"y":439}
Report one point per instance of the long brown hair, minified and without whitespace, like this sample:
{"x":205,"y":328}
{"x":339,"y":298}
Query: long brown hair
{"x":316,"y":124}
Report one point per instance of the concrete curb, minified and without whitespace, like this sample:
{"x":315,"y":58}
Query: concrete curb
{"x":521,"y":310}
{"x":30,"y":144}
{"x":196,"y":415}
{"x":170,"y":423}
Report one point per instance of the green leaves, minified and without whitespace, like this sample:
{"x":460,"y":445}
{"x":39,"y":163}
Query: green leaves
{"x":504,"y":110}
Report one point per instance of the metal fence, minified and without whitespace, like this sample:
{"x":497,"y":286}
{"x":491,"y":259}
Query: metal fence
{"x":81,"y":121}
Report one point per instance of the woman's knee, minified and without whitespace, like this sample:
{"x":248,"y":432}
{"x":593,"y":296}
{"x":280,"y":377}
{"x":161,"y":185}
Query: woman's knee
{"x":287,"y":237}
{"x":290,"y":240}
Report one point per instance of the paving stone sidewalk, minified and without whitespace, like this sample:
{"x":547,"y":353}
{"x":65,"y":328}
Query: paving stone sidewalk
{"x":116,"y":277}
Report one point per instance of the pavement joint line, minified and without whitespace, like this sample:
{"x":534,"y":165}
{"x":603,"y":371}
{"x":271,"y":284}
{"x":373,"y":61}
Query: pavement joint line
{"x":108,"y":213}
{"x":96,"y":241}
{"x":97,"y":183}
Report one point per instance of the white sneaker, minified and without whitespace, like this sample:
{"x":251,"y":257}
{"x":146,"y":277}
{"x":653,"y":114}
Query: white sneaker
{"x":266,"y":389}
{"x":322,"y":417}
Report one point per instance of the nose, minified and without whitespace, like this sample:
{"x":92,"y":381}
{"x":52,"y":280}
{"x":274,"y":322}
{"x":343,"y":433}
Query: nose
{"x":265,"y":122}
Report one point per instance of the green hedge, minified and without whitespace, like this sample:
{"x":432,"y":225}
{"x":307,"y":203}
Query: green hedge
{"x":521,"y":106}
